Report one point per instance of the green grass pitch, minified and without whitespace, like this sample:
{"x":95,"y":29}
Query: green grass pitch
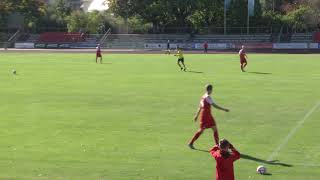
{"x":65,"y":117}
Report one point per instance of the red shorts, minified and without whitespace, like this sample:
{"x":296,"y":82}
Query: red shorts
{"x":242,"y":61}
{"x":98,"y":54}
{"x":207,"y":122}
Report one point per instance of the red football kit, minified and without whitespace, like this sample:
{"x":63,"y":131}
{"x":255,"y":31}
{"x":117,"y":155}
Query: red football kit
{"x":224,"y":166}
{"x":206,"y":119}
{"x":242,"y":55}
{"x":205,"y":45}
{"x":98,"y":53}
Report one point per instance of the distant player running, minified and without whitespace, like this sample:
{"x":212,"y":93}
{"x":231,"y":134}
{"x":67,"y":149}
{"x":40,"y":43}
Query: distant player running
{"x":243,"y":59}
{"x":206,"y":119}
{"x":180,"y":61}
{"x":98,"y":54}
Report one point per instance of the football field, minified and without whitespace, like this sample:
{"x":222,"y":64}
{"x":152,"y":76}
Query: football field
{"x":65,"y":117}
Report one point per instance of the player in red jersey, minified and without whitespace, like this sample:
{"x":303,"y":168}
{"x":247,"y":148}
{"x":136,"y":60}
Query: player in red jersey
{"x":98,"y":54}
{"x":206,"y":119}
{"x":205,"y":46}
{"x":243,"y":58}
{"x":224,"y":159}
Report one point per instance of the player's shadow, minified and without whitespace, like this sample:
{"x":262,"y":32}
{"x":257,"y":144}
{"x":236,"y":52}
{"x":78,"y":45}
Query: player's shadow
{"x":273,"y":162}
{"x":201,"y":150}
{"x":263,"y":73}
{"x":251,"y":158}
{"x":194,"y":72}
{"x":266,"y":174}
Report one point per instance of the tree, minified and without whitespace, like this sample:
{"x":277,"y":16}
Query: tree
{"x":256,"y":19}
{"x":237,"y":15}
{"x":6,"y":6}
{"x":299,"y":18}
{"x":123,"y":8}
{"x":76,"y":21}
{"x":95,"y":22}
{"x":91,"y":22}
{"x":313,"y":16}
{"x":155,"y":12}
{"x":181,"y":10}
{"x":272,"y":19}
{"x":209,"y":13}
{"x":55,"y":16}
{"x":61,"y":10}
{"x":32,"y":11}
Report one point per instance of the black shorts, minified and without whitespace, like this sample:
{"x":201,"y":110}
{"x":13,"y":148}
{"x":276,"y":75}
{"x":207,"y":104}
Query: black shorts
{"x":181,"y":60}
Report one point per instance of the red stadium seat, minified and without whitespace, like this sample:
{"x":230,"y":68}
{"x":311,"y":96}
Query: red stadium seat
{"x":316,"y":37}
{"x":61,"y":37}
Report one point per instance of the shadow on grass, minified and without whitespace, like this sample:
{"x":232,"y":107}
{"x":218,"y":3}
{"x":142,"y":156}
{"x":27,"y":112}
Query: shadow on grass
{"x":273,"y":162}
{"x":251,"y":158}
{"x":266,"y":174}
{"x":264,"y":73}
{"x":201,"y":150}
{"x":194,"y":71}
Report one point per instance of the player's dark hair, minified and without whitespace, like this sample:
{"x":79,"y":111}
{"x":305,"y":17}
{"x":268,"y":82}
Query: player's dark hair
{"x":225,"y":154}
{"x":209,"y":87}
{"x":223,"y":144}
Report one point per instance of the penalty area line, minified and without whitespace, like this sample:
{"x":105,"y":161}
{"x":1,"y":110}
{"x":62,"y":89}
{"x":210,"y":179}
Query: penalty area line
{"x":293,"y":131}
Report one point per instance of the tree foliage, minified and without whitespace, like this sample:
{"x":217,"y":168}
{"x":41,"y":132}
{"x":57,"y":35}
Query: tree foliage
{"x":76,"y":21}
{"x":162,"y":16}
{"x":32,"y":10}
{"x":6,"y":6}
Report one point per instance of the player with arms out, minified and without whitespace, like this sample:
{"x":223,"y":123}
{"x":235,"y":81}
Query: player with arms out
{"x":243,"y":58}
{"x":206,"y":119}
{"x":224,"y":159}
{"x":98,"y":54}
{"x":180,"y":59}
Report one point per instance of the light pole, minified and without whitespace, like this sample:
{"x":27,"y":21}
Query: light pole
{"x":225,"y":19}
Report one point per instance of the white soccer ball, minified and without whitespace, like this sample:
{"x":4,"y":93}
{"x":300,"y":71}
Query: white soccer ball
{"x":14,"y":72}
{"x":261,"y":169}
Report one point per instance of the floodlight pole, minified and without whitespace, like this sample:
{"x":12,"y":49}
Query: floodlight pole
{"x":248,"y":19}
{"x":225,"y":19}
{"x":273,"y":6}
{"x":248,"y":23}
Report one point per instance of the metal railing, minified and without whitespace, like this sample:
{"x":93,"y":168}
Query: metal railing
{"x":105,"y":36}
{"x":9,"y":39}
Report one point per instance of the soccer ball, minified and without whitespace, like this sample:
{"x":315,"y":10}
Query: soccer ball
{"x":261,"y":169}
{"x":14,"y":72}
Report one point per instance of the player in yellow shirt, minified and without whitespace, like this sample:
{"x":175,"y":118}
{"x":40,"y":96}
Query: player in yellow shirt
{"x":180,"y":60}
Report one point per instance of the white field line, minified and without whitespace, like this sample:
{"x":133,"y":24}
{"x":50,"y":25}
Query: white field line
{"x":292,"y":132}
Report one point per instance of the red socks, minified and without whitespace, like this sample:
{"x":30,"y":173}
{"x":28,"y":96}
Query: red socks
{"x":216,"y":137}
{"x":195,"y":137}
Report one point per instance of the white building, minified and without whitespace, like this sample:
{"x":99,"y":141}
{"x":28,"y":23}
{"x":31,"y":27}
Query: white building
{"x":99,"y":5}
{"x":86,"y":5}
